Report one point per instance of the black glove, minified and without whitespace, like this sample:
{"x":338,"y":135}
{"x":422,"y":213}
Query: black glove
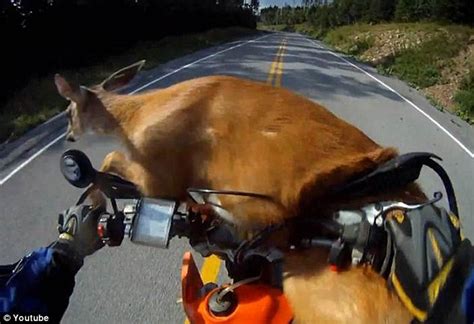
{"x":78,"y":226}
{"x":431,"y":263}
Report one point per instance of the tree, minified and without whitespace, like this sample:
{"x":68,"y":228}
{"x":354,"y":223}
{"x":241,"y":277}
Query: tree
{"x":380,"y":10}
{"x":460,"y":11}
{"x":254,"y":5}
{"x":405,"y":10}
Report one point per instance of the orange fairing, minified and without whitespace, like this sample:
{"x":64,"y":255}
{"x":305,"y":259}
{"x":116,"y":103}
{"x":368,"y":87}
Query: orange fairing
{"x":257,"y":303}
{"x":191,"y":287}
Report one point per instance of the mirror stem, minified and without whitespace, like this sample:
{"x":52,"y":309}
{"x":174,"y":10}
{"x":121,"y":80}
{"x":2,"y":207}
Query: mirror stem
{"x":114,"y":206}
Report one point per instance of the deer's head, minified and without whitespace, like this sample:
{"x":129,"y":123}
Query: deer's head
{"x":86,"y":111}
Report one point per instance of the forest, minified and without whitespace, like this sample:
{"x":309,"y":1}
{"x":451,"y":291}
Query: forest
{"x":324,"y":15}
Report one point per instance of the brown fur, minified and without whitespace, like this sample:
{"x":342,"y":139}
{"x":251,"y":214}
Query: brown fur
{"x":319,"y":295}
{"x":227,"y":133}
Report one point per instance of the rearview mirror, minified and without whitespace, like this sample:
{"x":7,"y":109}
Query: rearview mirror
{"x":77,"y":169}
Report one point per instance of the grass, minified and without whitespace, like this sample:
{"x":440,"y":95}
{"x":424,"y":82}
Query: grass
{"x":465,"y":98}
{"x":343,"y":33}
{"x":435,"y":103}
{"x":38,"y":100}
{"x":309,"y":30}
{"x":361,"y":45}
{"x":304,"y":28}
{"x":281,"y":27}
{"x":421,"y":66}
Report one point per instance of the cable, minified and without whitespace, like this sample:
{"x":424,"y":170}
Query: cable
{"x":230,"y":193}
{"x":435,"y":166}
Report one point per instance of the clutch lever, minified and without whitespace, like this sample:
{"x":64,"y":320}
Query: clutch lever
{"x":113,"y":187}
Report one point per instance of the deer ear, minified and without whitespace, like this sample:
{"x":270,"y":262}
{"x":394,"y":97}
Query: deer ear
{"x":122,"y":77}
{"x":65,"y":89}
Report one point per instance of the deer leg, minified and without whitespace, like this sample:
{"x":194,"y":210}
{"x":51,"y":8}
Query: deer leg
{"x":117,"y":163}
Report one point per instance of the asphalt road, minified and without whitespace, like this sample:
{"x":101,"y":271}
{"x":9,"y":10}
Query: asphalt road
{"x":141,"y":285}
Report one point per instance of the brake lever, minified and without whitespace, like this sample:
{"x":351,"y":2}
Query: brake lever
{"x":375,"y":216}
{"x":115,"y":187}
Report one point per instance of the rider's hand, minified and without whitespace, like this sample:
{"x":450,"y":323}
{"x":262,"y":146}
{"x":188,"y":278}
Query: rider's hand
{"x":431,"y":263}
{"x":78,"y":226}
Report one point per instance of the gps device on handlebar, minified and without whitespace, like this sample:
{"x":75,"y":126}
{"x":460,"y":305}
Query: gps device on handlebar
{"x":152,"y":222}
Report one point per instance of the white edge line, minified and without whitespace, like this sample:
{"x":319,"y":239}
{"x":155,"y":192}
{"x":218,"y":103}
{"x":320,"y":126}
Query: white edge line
{"x":471,"y":154}
{"x":31,"y":158}
{"x":34,"y":156}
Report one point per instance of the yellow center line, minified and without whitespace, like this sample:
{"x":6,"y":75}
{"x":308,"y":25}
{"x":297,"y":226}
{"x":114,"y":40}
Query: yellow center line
{"x":210,"y":269}
{"x":276,"y":68}
{"x":279,"y":71}
{"x":209,"y":272}
{"x":274,"y":64}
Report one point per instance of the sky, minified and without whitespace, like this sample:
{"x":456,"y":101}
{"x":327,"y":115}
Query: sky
{"x":266,"y":3}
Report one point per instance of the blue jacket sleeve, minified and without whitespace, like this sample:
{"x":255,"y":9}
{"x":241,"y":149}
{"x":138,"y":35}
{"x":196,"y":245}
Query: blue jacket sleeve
{"x":468,"y":298}
{"x":40,"y":283}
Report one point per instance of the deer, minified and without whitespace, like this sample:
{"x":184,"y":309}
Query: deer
{"x":230,"y":133}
